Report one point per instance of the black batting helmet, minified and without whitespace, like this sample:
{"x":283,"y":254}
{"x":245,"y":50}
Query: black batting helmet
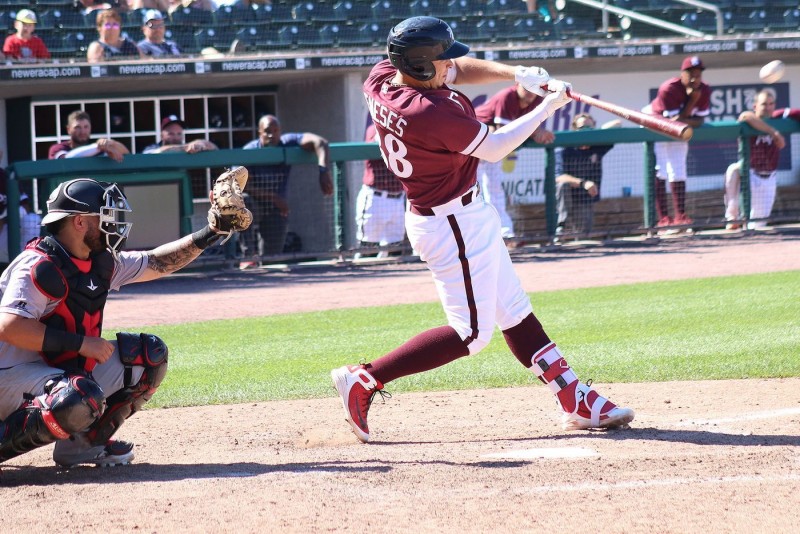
{"x":84,"y":196}
{"x":416,"y":42}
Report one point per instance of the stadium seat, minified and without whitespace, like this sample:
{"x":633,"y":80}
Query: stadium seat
{"x":74,"y":44}
{"x":353,"y":11}
{"x":311,"y":36}
{"x":704,"y":21}
{"x":576,"y":28}
{"x":504,"y":7}
{"x":216,"y":37}
{"x":183,"y":37}
{"x":316,"y":12}
{"x":390,"y":10}
{"x":352,"y":35}
{"x":431,"y":8}
{"x":532,"y":28}
{"x":61,"y":18}
{"x":792,"y":19}
{"x":231,"y":15}
{"x":273,"y":12}
{"x":187,"y":16}
{"x":459,"y":8}
{"x":375,"y":32}
{"x":287,"y":35}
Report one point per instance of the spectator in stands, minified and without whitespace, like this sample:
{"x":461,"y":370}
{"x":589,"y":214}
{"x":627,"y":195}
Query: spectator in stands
{"x":154,"y":44}
{"x":29,"y":221}
{"x":764,"y":154}
{"x":207,"y":5}
{"x":172,"y":139}
{"x":547,"y":10}
{"x":111,"y":44}
{"x":24,"y":45}
{"x":685,"y":98}
{"x":579,"y":171}
{"x":160,"y":5}
{"x":268,"y":184}
{"x":505,"y":106}
{"x":79,"y":129}
{"x":381,"y":204}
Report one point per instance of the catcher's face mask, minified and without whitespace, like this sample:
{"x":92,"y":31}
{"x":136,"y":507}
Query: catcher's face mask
{"x":112,"y":218}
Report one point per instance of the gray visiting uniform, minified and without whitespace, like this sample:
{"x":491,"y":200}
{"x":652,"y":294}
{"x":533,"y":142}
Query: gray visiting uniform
{"x":25,"y":371}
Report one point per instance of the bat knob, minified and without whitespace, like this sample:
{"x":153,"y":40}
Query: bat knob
{"x":687,"y":133}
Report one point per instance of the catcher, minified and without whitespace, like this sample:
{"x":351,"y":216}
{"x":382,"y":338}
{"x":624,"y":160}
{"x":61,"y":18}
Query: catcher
{"x":60,"y":380}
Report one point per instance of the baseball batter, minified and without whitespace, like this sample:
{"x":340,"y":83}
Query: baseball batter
{"x":60,"y":381}
{"x":381,"y":204}
{"x":505,"y":106}
{"x":432,"y":140}
{"x":687,"y":99}
{"x":764,"y":154}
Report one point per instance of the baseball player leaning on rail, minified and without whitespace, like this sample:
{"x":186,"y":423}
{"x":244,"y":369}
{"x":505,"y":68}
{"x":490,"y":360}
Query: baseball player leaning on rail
{"x":431,"y":140}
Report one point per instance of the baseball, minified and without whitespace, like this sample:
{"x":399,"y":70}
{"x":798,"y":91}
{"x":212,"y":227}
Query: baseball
{"x":772,"y":71}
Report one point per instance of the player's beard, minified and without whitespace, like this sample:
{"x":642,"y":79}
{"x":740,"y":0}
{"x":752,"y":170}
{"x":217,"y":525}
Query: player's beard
{"x":93,"y":239}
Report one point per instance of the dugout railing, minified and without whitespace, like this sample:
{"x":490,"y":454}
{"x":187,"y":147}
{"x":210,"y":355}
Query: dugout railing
{"x":618,"y":214}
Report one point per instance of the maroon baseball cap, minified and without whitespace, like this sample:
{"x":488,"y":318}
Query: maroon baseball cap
{"x":692,"y":62}
{"x":169,"y":119}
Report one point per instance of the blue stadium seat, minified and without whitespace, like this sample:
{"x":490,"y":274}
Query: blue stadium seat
{"x":273,"y":12}
{"x":504,"y":7}
{"x":386,"y":10}
{"x":233,"y":16}
{"x":576,"y":28}
{"x":74,"y":44}
{"x":704,"y":21}
{"x":431,"y":8}
{"x":287,"y":35}
{"x":61,"y":18}
{"x":186,"y":16}
{"x":352,"y":35}
{"x":316,"y":12}
{"x":312,"y":36}
{"x":375,"y":32}
{"x":353,"y":11}
{"x":792,"y":19}
{"x":532,"y":28}
{"x":459,"y":8}
{"x":184,"y":37}
{"x":219,"y":38}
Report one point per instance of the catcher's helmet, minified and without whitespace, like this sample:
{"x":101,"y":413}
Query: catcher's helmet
{"x":84,"y":196}
{"x":416,"y":42}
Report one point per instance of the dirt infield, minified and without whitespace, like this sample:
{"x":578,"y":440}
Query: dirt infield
{"x":700,"y":455}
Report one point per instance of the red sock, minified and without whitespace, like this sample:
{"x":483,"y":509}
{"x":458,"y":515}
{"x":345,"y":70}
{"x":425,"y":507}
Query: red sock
{"x":426,"y":351}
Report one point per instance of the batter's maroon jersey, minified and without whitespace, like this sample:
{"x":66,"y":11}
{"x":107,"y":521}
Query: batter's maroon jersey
{"x":376,"y":175}
{"x":764,"y":153}
{"x":672,"y":97}
{"x":427,"y":136}
{"x":503,"y":107}
{"x":58,"y":150}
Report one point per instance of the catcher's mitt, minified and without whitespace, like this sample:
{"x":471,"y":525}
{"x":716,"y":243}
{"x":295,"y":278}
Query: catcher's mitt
{"x":228,"y":213}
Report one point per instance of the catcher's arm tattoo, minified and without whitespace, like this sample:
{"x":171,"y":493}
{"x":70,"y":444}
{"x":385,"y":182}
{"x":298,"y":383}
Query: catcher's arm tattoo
{"x":170,"y":257}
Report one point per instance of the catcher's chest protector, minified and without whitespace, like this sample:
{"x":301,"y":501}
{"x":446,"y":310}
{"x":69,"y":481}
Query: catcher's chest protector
{"x":82,"y":287}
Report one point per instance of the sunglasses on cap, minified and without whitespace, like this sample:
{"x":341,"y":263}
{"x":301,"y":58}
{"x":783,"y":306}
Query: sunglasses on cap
{"x":154,"y":24}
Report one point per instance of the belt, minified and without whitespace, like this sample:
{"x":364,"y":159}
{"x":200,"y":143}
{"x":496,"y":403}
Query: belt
{"x":764,"y":174}
{"x":449,"y":207}
{"x":386,"y":194}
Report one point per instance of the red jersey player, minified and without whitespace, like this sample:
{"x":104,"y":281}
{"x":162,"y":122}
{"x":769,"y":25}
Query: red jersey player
{"x":685,"y":98}
{"x":432,"y":141}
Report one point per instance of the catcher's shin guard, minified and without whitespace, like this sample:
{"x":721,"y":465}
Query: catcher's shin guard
{"x":145,"y":350}
{"x":68,"y":406}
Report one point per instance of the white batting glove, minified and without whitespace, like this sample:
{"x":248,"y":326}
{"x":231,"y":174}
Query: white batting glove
{"x":532,"y":78}
{"x":557,"y":96}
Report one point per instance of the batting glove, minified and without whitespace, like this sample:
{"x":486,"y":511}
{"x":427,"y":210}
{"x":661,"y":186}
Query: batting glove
{"x":557,"y":95}
{"x":532,"y":79}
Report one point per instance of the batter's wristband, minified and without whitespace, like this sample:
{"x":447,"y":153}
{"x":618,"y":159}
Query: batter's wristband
{"x":56,"y":340}
{"x":204,"y":238}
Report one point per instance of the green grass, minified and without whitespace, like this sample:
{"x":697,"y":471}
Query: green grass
{"x":716,"y":328}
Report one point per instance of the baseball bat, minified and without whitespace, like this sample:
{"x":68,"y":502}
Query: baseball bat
{"x":674,"y":129}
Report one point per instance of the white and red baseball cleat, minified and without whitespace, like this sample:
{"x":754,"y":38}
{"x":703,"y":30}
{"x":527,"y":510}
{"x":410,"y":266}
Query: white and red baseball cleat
{"x":592,"y":410}
{"x":77,"y":450}
{"x":356,"y":388}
